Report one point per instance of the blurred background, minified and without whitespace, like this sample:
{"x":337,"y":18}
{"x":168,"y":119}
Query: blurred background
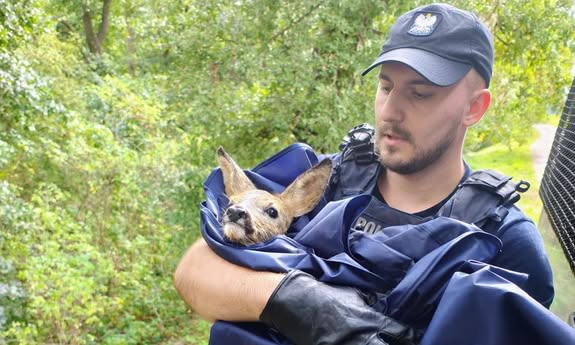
{"x":111,"y":110}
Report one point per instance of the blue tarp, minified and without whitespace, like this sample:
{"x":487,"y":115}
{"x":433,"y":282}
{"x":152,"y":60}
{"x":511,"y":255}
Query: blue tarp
{"x":412,"y":265}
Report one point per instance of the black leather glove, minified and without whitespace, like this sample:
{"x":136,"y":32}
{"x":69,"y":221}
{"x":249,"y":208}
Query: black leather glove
{"x":309,"y":312}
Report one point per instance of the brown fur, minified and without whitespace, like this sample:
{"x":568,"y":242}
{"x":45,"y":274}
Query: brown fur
{"x":249,"y":217}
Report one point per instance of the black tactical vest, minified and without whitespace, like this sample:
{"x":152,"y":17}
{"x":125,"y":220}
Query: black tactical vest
{"x":483,"y":199}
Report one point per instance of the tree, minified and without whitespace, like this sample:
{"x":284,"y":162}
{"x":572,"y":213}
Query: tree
{"x":95,"y":40}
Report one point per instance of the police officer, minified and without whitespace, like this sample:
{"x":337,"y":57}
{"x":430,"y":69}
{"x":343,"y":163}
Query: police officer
{"x":434,"y":72}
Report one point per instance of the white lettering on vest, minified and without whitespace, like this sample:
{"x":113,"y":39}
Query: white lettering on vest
{"x":369,"y":227}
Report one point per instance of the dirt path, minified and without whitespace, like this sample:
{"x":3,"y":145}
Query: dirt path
{"x":541,"y":147}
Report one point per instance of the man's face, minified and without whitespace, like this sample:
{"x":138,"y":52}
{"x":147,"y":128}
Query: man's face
{"x":417,"y":123}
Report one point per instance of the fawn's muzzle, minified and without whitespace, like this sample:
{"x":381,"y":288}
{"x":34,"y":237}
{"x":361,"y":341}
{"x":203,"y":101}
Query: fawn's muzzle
{"x":235,"y":213}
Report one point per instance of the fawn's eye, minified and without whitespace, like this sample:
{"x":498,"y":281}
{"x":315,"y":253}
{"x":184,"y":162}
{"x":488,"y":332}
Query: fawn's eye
{"x":272,"y":212}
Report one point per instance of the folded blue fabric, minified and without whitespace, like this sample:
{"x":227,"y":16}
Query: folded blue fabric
{"x":410,"y":267}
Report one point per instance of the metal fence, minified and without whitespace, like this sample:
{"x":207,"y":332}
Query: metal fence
{"x":558,"y":184}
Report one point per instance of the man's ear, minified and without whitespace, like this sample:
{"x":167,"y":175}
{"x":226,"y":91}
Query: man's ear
{"x":305,"y":192}
{"x":479,"y":103}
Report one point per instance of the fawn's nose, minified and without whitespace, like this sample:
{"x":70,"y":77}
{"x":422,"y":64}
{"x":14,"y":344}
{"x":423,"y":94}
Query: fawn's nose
{"x":236,"y":213}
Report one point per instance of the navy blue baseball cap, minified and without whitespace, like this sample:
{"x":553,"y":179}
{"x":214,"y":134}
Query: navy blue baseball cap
{"x":440,"y":42}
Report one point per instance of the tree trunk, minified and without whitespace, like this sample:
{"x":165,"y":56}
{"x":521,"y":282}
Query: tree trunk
{"x":105,"y":23}
{"x":128,"y":13}
{"x":214,"y":72}
{"x":95,"y":41}
{"x":130,"y":48}
{"x":91,"y":39}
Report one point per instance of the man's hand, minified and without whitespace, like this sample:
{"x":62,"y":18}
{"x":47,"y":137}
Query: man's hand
{"x":219,"y":290}
{"x":310,"y":312}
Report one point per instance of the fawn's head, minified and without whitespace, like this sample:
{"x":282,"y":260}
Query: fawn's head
{"x":255,"y":215}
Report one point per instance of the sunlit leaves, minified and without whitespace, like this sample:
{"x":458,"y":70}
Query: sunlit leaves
{"x":534,"y":57}
{"x":17,"y":20}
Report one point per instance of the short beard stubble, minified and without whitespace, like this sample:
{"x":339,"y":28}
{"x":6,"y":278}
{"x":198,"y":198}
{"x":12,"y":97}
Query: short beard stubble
{"x":422,"y":157}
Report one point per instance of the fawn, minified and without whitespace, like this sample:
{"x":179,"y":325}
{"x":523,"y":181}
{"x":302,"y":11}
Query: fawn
{"x":255,"y":215}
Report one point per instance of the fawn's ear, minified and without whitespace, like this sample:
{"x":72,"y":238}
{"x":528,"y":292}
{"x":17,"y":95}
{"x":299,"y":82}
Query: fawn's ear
{"x":304,"y":193}
{"x":235,"y":180}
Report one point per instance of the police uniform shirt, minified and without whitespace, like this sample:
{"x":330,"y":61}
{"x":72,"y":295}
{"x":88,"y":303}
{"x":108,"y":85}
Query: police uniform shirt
{"x":379,"y":215}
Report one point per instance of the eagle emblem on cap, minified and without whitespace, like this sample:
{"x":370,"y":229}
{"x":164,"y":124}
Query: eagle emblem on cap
{"x":424,"y":24}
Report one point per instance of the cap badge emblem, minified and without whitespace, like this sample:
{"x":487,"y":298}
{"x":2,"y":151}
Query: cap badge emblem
{"x":424,"y":24}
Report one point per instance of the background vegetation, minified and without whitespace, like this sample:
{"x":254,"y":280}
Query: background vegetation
{"x":110,"y":111}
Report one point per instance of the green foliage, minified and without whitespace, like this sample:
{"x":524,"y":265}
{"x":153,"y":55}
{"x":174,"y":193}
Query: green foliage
{"x":18,"y":19}
{"x":534,"y":57}
{"x":285,"y":76}
{"x":14,"y":218}
{"x":102,"y":159}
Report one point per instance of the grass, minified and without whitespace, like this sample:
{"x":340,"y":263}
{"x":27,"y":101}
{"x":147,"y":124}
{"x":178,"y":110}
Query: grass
{"x":518,"y":163}
{"x":199,"y":331}
{"x":552,"y":119}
